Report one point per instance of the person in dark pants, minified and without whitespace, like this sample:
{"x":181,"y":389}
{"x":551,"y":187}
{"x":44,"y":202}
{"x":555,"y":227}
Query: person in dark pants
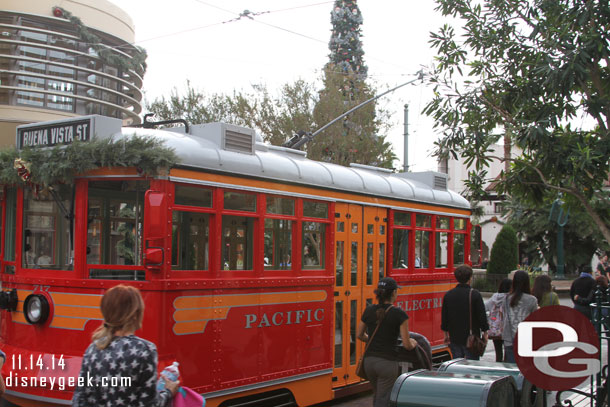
{"x":495,"y":307}
{"x":381,"y":359}
{"x":455,"y":317}
{"x":581,"y":289}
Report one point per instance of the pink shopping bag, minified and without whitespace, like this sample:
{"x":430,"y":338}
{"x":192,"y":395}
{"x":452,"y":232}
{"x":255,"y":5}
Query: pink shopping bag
{"x":186,"y":397}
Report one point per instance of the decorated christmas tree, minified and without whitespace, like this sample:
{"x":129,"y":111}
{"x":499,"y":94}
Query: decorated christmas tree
{"x":346,"y":51}
{"x":356,"y":138}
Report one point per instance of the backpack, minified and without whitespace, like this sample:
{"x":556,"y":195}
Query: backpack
{"x":496,"y":319}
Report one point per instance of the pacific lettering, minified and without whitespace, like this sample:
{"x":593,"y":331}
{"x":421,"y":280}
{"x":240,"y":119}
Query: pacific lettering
{"x":283,"y":318}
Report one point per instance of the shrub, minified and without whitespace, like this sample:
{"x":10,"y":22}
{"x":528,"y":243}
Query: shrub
{"x":504,"y":256}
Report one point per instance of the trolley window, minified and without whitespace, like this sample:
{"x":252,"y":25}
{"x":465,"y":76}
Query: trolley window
{"x":278,"y":244}
{"x":442,"y":247}
{"x":313,"y":245}
{"x":401,"y":248}
{"x":46,"y":228}
{"x":458,"y":248}
{"x":193,"y":196}
{"x":459,"y":224}
{"x":441,"y":242}
{"x":400,"y":236}
{"x":239,"y":201}
{"x":237,"y":242}
{"x":279,"y":229}
{"x":459,"y":240}
{"x":237,"y":245}
{"x":280,"y":206}
{"x":313,"y":236}
{"x":190,"y":240}
{"x":312,"y":209}
{"x":422,"y":249}
{"x":114,"y":235}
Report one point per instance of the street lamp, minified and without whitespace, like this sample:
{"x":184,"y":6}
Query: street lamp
{"x":557,"y":215}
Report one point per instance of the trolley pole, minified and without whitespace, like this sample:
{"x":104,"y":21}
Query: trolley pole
{"x":406,"y":147}
{"x":308,"y":137}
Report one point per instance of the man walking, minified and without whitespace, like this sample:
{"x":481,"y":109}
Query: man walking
{"x":582,"y":291}
{"x":457,"y":312}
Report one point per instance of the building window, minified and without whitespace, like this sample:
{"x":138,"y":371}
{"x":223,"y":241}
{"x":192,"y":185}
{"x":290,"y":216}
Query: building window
{"x":498,"y":207}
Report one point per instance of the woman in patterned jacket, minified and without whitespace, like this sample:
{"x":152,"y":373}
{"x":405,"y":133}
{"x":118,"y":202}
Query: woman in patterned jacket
{"x":116,"y":353}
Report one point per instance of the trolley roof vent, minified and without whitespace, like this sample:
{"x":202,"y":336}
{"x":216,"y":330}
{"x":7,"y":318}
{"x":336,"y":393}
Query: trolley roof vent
{"x":432,"y":179}
{"x":238,"y":142}
{"x":227,"y":136}
{"x":440,"y":182}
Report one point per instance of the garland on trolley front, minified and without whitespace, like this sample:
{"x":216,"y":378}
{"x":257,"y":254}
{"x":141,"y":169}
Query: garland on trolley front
{"x":48,"y":166}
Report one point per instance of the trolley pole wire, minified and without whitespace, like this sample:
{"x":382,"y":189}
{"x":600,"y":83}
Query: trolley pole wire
{"x":298,"y":141}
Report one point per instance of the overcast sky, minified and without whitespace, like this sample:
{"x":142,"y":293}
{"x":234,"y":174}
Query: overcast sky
{"x":203,"y":41}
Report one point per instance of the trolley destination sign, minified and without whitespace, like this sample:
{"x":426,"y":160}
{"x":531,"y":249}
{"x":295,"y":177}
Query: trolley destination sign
{"x":54,"y":135}
{"x":65,"y":132}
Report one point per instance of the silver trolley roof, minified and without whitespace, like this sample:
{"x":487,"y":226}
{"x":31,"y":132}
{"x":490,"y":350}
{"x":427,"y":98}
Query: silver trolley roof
{"x":226,"y":148}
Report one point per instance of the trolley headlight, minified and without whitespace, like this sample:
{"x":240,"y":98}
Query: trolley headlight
{"x":36,"y":309}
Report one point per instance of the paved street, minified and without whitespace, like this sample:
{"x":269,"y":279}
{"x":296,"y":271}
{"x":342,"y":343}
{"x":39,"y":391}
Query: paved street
{"x":366,"y":400}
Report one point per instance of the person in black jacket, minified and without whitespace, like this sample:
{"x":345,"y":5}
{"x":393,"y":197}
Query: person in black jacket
{"x":455,"y":317}
{"x":381,"y":359}
{"x":581,"y":291}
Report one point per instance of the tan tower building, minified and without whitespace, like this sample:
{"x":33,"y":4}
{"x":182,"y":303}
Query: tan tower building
{"x":61,"y":59}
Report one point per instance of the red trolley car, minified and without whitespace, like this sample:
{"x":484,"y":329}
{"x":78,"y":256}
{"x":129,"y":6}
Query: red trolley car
{"x":255,"y":263}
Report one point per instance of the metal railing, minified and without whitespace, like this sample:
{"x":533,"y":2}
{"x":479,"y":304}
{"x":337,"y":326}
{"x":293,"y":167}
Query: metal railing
{"x":599,"y":388}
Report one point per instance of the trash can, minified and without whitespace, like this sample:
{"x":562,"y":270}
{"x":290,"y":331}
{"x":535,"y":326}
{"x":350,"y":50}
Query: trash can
{"x":528,"y":394}
{"x":440,"y":389}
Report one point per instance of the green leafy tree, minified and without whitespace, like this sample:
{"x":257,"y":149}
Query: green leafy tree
{"x":504,"y":256}
{"x":277,"y":118}
{"x":355,"y":139}
{"x":538,"y":75}
{"x":538,"y":235}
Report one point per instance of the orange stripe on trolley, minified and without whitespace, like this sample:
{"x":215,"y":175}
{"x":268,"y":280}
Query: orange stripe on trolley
{"x":185,"y":328}
{"x":193,"y":312}
{"x":73,"y":311}
{"x":86,"y":300}
{"x":69,"y":323}
{"x":241,"y":300}
{"x":77,"y":311}
{"x":70,"y":311}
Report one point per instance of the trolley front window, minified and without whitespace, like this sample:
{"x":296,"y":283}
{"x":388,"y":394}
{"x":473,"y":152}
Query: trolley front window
{"x":46,"y":228}
{"x":114,"y":227}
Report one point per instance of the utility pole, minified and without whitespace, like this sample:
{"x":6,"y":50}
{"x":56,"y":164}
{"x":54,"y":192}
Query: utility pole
{"x":406,"y":135}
